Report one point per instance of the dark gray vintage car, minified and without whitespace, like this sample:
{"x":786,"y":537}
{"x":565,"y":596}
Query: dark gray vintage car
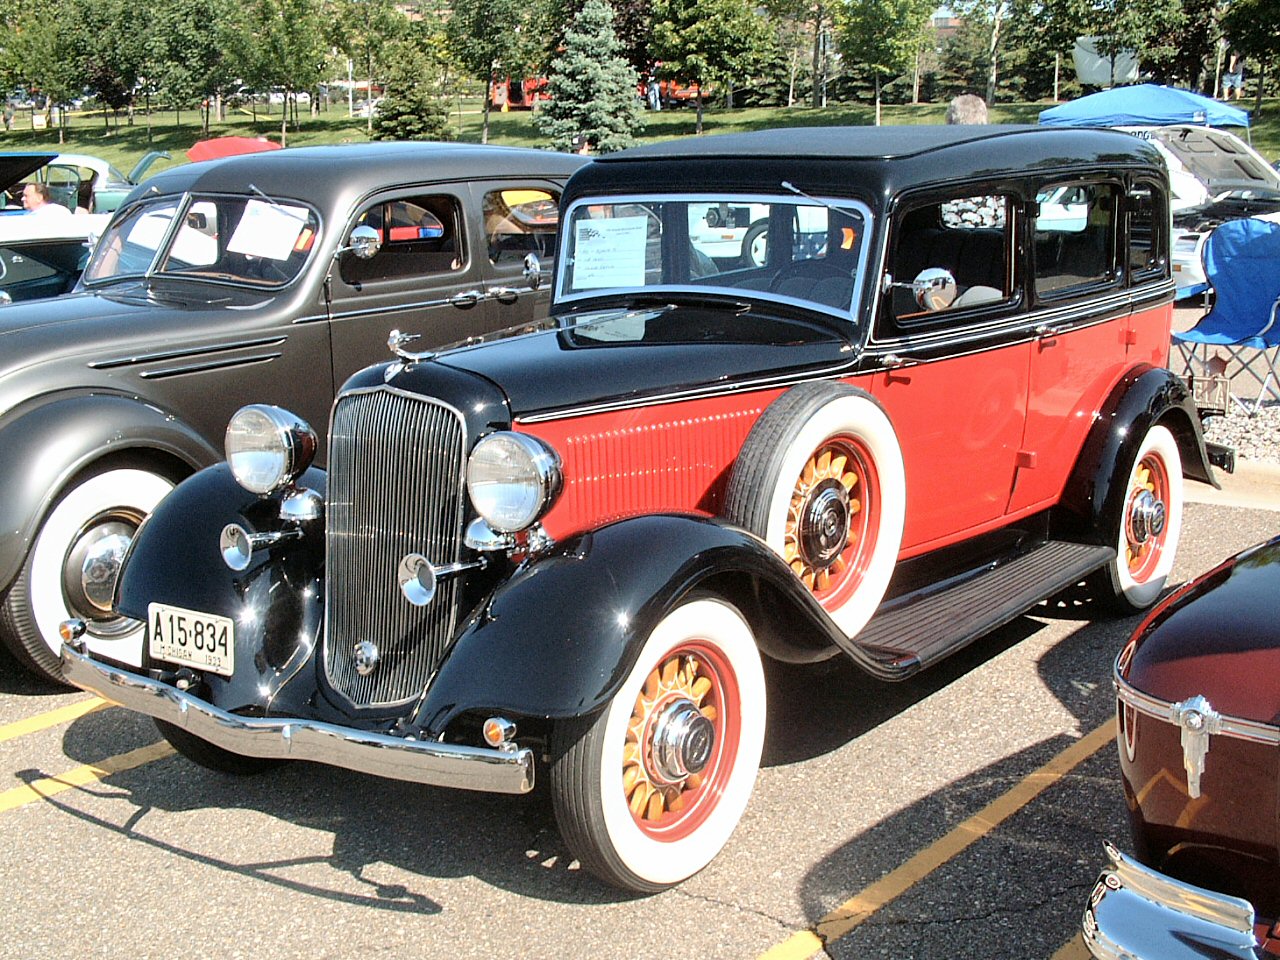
{"x":268,"y":277}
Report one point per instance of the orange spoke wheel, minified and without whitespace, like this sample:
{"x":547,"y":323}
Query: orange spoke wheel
{"x":832,"y":518}
{"x":681,"y":741}
{"x":1146,"y":517}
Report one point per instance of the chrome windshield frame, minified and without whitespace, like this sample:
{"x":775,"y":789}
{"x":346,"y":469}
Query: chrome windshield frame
{"x":831,"y":203}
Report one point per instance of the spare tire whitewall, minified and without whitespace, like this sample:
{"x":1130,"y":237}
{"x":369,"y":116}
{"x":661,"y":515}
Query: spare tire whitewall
{"x":648,"y":792}
{"x":72,"y":568}
{"x":821,"y":479}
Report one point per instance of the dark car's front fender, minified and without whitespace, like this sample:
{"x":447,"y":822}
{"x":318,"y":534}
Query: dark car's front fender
{"x":47,"y":445}
{"x":276,"y":604}
{"x":559,"y":637}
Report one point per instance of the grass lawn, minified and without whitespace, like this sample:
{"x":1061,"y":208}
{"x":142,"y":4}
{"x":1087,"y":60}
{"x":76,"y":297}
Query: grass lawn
{"x":124,"y":144}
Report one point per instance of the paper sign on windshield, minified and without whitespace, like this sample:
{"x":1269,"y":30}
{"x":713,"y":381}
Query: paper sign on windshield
{"x":609,"y":253}
{"x":268,"y":230}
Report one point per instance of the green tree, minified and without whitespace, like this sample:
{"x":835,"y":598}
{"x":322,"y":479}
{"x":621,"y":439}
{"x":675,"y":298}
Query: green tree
{"x":706,"y":42}
{"x":592,"y":87}
{"x":186,"y":44}
{"x":489,"y":36}
{"x":411,"y":108}
{"x":281,"y":43}
{"x":1253,"y":28}
{"x":884,"y":36}
{"x":366,"y":31}
{"x":41,"y":53}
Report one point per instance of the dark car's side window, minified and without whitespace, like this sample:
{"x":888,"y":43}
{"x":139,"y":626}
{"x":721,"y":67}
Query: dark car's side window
{"x":520,"y":221}
{"x":420,"y":235}
{"x":969,"y":237}
{"x":1147,"y":226}
{"x":1075,"y":236}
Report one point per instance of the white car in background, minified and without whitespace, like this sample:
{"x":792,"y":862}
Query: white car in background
{"x":737,"y":234}
{"x":1215,"y":177}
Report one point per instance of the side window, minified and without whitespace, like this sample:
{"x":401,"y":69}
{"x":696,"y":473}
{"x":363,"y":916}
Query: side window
{"x":519,"y":222}
{"x":1075,"y":237}
{"x":17,"y":266}
{"x":420,"y":236}
{"x":1147,"y":225}
{"x":969,"y":237}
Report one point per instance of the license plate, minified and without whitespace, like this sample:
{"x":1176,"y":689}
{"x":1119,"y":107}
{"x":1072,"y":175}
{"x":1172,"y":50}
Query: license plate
{"x":191,"y":638}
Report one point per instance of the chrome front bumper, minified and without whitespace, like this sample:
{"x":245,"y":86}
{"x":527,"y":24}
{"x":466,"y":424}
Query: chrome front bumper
{"x":1136,"y":913}
{"x":418,"y":761}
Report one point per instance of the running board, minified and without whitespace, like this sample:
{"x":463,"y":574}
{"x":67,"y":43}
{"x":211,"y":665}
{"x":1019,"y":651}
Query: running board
{"x":917,"y":631}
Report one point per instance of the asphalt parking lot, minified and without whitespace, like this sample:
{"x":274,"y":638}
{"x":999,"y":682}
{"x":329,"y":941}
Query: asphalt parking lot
{"x":960,"y":814}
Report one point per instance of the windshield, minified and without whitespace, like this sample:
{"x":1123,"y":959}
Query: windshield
{"x":808,"y":252}
{"x":240,"y":240}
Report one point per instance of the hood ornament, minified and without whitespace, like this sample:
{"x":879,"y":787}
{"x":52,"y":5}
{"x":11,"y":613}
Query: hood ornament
{"x":1198,"y":721}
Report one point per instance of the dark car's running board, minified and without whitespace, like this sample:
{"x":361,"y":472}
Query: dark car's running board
{"x":917,"y":631}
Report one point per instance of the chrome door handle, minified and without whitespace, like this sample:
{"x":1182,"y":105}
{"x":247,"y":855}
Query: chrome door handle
{"x":504,"y":294}
{"x":466,"y":299}
{"x":895,"y":362}
{"x":1046,"y":332}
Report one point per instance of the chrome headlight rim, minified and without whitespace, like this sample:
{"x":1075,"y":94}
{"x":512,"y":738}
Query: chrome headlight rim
{"x":543,"y":465}
{"x":261,"y":430}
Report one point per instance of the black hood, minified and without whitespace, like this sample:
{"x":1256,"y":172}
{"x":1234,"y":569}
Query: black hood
{"x":16,"y":167}
{"x":623,"y":355}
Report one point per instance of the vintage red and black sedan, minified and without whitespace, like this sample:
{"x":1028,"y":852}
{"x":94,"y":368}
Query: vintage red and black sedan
{"x":910,"y":412}
{"x":1198,"y":725}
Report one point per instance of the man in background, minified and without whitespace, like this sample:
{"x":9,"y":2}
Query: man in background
{"x":37,"y":199}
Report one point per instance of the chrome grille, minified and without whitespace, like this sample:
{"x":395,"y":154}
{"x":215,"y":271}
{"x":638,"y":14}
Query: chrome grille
{"x":395,"y":487}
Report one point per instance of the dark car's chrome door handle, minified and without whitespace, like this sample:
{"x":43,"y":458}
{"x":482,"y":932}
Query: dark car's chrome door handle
{"x":466,"y":299}
{"x":504,"y":294}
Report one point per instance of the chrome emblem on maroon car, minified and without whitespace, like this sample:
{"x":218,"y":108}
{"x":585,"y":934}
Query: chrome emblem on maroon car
{"x":1198,"y":721}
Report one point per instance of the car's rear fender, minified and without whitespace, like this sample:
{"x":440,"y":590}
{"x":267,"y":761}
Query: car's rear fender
{"x":1095,"y":492}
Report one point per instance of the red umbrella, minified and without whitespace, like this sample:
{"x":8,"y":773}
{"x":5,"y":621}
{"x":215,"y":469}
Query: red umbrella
{"x":229,"y":147}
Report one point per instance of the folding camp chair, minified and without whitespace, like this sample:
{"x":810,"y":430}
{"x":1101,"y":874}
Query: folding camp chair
{"x":1242,"y":264}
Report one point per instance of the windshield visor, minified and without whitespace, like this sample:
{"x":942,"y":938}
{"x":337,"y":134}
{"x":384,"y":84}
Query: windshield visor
{"x":808,"y":252}
{"x":239,"y":240}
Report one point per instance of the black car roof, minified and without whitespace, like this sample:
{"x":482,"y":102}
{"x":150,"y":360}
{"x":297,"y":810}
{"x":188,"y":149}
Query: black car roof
{"x":331,"y":177}
{"x":875,"y":161}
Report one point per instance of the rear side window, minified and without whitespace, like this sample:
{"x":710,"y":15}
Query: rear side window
{"x":520,"y":221}
{"x":1075,"y":237}
{"x":1147,"y":225}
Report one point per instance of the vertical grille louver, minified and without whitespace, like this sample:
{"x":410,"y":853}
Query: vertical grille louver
{"x":395,"y":487}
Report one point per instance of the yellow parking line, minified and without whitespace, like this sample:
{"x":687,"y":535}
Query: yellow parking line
{"x":851,"y":914}
{"x":82,"y":776}
{"x":52,"y":718}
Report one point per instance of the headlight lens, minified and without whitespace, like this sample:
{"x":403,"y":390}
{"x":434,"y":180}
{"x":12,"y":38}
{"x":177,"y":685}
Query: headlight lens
{"x":268,"y":448}
{"x":512,"y":480}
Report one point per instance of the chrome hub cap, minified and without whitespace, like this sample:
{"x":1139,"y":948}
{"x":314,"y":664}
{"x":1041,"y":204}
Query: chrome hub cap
{"x":824,"y":525}
{"x":683,"y":741}
{"x":1146,"y":517}
{"x":90,"y":572}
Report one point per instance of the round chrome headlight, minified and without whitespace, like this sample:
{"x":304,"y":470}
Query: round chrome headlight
{"x":512,"y":480}
{"x":268,"y":448}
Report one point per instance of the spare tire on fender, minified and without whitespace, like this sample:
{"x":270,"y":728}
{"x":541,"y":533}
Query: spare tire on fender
{"x":820,"y":478}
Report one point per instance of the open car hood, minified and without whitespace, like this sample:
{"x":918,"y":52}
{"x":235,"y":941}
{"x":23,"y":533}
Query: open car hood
{"x":16,"y":167}
{"x":1220,"y":160}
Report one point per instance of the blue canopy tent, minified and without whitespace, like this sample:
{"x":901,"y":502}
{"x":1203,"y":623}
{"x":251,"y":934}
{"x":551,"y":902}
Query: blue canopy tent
{"x":1144,"y":105}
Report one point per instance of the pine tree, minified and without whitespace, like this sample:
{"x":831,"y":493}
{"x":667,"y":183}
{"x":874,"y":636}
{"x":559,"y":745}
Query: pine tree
{"x":593,"y":89}
{"x":411,"y":108}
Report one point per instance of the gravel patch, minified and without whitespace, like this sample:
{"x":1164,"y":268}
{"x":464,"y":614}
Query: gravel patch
{"x":1256,"y":438}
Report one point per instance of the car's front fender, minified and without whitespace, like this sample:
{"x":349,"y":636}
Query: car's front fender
{"x":558,"y":638}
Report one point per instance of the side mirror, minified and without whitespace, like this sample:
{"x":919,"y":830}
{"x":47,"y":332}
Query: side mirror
{"x":364,"y":242}
{"x":533,"y":270}
{"x":934,"y":288}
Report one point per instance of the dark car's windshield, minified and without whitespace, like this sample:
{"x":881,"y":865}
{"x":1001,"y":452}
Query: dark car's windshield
{"x":241,"y":240}
{"x":810,"y":252}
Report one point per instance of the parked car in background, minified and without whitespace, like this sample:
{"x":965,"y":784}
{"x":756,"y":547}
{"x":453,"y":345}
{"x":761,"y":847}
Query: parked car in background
{"x":42,"y":256}
{"x":101,"y":188}
{"x":1215,"y":177}
{"x":272,"y":276}
{"x":565,"y":553}
{"x":1196,"y":724}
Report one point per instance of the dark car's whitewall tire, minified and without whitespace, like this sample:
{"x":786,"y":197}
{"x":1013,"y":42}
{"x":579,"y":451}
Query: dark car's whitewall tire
{"x":71,"y":569}
{"x":821,"y":479}
{"x":648,"y":791}
{"x":1150,"y":525}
